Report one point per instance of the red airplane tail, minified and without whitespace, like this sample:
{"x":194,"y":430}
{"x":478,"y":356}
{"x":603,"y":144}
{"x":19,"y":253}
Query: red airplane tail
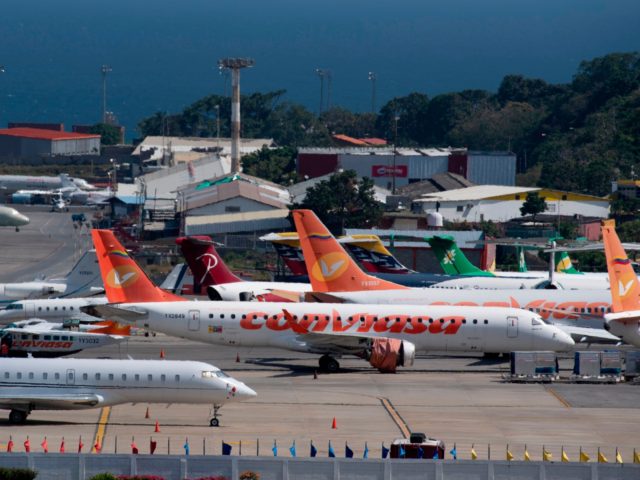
{"x":330,"y":267}
{"x":207,"y":266}
{"x":124,"y":281}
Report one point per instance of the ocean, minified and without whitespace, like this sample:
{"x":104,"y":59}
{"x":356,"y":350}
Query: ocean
{"x":163,"y":54}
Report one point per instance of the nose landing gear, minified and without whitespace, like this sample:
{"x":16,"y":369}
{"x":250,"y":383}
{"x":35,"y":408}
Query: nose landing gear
{"x":214,"y":422}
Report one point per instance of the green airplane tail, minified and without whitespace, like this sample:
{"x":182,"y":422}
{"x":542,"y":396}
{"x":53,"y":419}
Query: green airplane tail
{"x":451,"y":258}
{"x":565,"y":265}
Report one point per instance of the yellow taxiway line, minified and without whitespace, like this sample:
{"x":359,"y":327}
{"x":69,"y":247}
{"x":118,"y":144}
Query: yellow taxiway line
{"x":102,"y":427}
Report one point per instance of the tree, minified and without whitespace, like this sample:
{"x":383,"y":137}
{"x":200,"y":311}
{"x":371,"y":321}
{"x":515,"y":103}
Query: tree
{"x":276,"y":165}
{"x":343,"y":201}
{"x":109,"y":134}
{"x":533,"y":205}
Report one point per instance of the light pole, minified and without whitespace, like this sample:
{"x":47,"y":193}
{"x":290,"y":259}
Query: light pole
{"x":114,"y":174}
{"x":396,"y":117}
{"x":217,"y":107}
{"x":235,"y":65}
{"x":320,"y":72}
{"x":105,"y":69}
{"x":372,"y":79}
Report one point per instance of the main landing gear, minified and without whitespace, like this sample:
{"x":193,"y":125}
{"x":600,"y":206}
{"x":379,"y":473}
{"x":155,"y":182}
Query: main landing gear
{"x":328,"y":364}
{"x":18,"y":416}
{"x":214,"y":422}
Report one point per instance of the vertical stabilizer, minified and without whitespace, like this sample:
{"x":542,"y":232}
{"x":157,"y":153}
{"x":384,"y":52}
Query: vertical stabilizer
{"x":625,"y":288}
{"x":205,"y":263}
{"x":124,"y":280}
{"x":451,"y":258}
{"x":330,"y":267}
{"x":84,"y":278}
{"x":373,"y":255}
{"x":565,"y":265}
{"x":287,"y":246}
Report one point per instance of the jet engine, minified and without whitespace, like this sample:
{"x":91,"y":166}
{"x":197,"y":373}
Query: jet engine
{"x":388,"y":353}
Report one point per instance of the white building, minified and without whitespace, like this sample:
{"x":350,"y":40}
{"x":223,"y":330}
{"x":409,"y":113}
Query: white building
{"x":500,"y":203}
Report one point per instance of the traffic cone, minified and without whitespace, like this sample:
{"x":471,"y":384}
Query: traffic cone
{"x":162,"y":353}
{"x":157,"y":429}
{"x":146,"y":415}
{"x":237,"y":358}
{"x":334,"y":424}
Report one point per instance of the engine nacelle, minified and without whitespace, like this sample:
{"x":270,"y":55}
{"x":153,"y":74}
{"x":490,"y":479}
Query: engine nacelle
{"x":389,"y":353}
{"x":628,"y":331}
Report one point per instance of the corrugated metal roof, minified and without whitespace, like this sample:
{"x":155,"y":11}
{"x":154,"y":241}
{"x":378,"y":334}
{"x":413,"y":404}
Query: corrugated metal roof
{"x":478,"y":192}
{"x":237,"y":222}
{"x":186,"y":144}
{"x":41,"y":134}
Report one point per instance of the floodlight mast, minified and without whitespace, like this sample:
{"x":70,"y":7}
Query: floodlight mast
{"x":235,"y":64}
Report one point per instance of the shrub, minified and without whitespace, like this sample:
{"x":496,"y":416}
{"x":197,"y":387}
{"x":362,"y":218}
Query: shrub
{"x":249,"y":475}
{"x":17,"y":474}
{"x":104,"y":476}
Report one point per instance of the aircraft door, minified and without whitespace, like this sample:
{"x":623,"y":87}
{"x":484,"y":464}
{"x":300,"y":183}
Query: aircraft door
{"x":30,"y":310}
{"x":71,"y":376}
{"x":512,"y":327}
{"x":194,"y":320}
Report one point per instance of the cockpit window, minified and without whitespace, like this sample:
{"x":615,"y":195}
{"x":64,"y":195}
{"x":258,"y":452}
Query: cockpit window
{"x":15,"y":306}
{"x":535,"y":321}
{"x":221,"y":374}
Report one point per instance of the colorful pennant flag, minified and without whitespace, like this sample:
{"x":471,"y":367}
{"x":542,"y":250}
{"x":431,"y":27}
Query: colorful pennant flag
{"x":10,"y":445}
{"x":152,"y":446}
{"x":274,"y":449}
{"x":45,"y":445}
{"x":226,"y":448}
{"x":186,"y":447}
{"x":583,"y":456}
{"x":292,"y":449}
{"x":563,"y":455}
{"x":313,"y":451}
{"x":527,"y":457}
{"x":62,"y":445}
{"x":332,"y":454}
{"x":601,"y":457}
{"x":618,"y":456}
{"x":546,"y":455}
{"x":27,"y":445}
{"x":474,"y":455}
{"x":454,"y":452}
{"x":509,"y":454}
{"x":348,"y":453}
{"x":366,"y":451}
{"x":385,"y":451}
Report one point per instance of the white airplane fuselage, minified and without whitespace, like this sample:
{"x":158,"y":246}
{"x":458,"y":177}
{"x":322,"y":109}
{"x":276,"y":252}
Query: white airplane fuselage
{"x":10,"y":217}
{"x":51,"y":309}
{"x":428,"y":328}
{"x":70,"y":384}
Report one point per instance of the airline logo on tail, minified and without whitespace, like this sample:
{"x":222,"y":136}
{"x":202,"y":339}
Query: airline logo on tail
{"x":210,"y":262}
{"x":625,"y":283}
{"x":330,"y":266}
{"x":122,"y":276}
{"x":450,"y":256}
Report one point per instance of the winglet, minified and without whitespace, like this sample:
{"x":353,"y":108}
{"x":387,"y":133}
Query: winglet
{"x":124,"y":281}
{"x":625,"y":288}
{"x":330,"y":267}
{"x":205,"y":262}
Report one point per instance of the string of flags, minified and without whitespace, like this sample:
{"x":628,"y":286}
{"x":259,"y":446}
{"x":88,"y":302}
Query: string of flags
{"x":227,"y":449}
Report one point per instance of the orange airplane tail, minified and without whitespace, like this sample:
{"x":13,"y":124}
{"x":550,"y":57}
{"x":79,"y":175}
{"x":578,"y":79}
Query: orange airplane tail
{"x":625,"y":288}
{"x":330,"y":267}
{"x":124,"y":281}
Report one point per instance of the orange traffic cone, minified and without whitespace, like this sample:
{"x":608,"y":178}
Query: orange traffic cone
{"x":334,"y":424}
{"x":157,"y":430}
{"x":162,"y":353}
{"x":146,"y":415}
{"x":237,"y":358}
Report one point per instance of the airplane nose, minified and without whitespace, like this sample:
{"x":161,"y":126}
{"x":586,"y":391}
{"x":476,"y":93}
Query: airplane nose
{"x":23,"y":218}
{"x":563,"y":340}
{"x":243,"y":392}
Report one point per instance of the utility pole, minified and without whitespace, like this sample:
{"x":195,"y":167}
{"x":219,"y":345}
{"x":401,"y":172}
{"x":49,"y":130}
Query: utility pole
{"x":217,"y":107}
{"x":372,"y":78}
{"x":320,"y":72}
{"x":235,"y":65}
{"x":396,"y":117}
{"x":105,"y":69}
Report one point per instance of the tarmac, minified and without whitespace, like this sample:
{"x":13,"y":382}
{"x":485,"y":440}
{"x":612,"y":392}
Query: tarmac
{"x":459,"y":399}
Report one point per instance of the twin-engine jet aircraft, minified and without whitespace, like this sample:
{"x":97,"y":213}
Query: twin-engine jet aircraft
{"x":386,"y":335}
{"x":74,"y":384}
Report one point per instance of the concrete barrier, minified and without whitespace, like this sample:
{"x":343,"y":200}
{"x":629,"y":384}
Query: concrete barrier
{"x":55,"y":466}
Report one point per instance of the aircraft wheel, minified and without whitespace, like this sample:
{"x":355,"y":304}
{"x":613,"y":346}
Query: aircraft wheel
{"x":17,"y":416}
{"x":214,"y":422}
{"x":328,"y":364}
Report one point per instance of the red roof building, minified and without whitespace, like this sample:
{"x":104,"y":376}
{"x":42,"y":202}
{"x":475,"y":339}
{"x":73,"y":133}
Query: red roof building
{"x":27,"y":142}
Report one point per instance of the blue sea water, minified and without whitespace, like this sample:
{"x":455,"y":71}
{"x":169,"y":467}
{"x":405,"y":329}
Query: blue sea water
{"x":164,"y":53}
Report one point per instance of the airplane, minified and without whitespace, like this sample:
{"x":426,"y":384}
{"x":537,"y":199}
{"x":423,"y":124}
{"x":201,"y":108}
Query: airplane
{"x":624,"y":321}
{"x":83,"y":280}
{"x":39,"y":338}
{"x":75,"y":384}
{"x":387,"y":336}
{"x":50,"y":309}
{"x":578,"y":313}
{"x":210,"y":271}
{"x":59,"y":203}
{"x":382,"y":264}
{"x":12,"y":183}
{"x":453,"y":261}
{"x":10,"y":217}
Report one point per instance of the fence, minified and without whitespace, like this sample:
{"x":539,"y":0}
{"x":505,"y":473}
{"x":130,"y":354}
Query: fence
{"x":81,"y":466}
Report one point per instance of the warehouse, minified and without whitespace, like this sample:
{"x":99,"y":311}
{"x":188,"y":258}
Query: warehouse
{"x":393,"y":168}
{"x":36,"y":142}
{"x":500,"y":203}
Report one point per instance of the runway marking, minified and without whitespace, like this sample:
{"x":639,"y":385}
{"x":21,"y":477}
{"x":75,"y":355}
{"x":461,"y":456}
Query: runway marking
{"x":395,"y":416}
{"x":559,"y":397}
{"x":101,"y":429}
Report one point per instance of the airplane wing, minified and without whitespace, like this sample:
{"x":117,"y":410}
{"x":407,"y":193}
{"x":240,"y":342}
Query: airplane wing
{"x":589,"y":335}
{"x":114,"y":312}
{"x":49,"y":400}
